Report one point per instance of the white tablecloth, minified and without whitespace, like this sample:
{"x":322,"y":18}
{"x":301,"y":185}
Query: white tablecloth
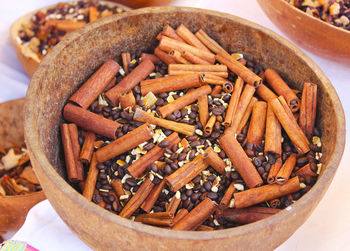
{"x":328,"y":228}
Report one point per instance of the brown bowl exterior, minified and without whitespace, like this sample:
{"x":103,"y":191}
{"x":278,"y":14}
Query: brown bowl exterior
{"x":311,"y":33}
{"x":14,"y":209}
{"x":143,"y":3}
{"x":27,"y":59}
{"x":76,"y":58}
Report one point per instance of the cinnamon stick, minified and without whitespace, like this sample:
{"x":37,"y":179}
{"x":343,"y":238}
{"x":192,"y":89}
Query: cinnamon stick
{"x":95,"y":85}
{"x":216,"y":80}
{"x":227,"y":196}
{"x":273,"y":134}
{"x":170,"y":83}
{"x":90,"y":121}
{"x":139,"y":197}
{"x":180,"y":215}
{"x":204,"y":228}
{"x":118,"y":187}
{"x":167,"y":44}
{"x":165,"y":57}
{"x":125,"y":143}
{"x":247,"y":75}
{"x":240,"y":160}
{"x":91,"y":179}
{"x":209,"y":42}
{"x":264,"y":193}
{"x":257,"y":123}
{"x":183,"y":101}
{"x":232,"y":106}
{"x":193,"y":58}
{"x":188,"y":37}
{"x":183,"y":128}
{"x":126,"y":58}
{"x":130,"y":81}
{"x":137,"y":168}
{"x":308,"y":109}
{"x":176,"y":55}
{"x":197,"y":216}
{"x":170,"y":32}
{"x":286,"y":170}
{"x":214,"y":160}
{"x":74,"y":136}
{"x":93,"y":14}
{"x":148,"y":204}
{"x":282,"y":89}
{"x":203,"y":109}
{"x":248,"y":215}
{"x":306,"y":171}
{"x":65,"y":25}
{"x":265,"y":93}
{"x":174,"y":203}
{"x":223,"y":74}
{"x":186,"y":173}
{"x":153,"y":58}
{"x":210,"y":124}
{"x":196,"y":68}
{"x":161,"y":219}
{"x":291,"y":127}
{"x":110,"y":84}
{"x":243,"y":103}
{"x":88,"y":148}
{"x":127,"y":100}
{"x":271,"y":178}
{"x":274,"y":203}
{"x":216,"y":90}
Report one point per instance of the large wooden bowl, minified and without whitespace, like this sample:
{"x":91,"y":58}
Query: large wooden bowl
{"x":143,"y":3}
{"x":28,"y":59}
{"x":76,"y":58}
{"x":14,"y":209}
{"x":313,"y":34}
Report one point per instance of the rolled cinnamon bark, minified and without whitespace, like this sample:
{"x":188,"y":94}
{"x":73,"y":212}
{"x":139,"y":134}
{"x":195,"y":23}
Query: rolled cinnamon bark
{"x":186,"y":173}
{"x":91,"y":179}
{"x":118,"y":187}
{"x":197,"y":216}
{"x":161,"y":219}
{"x":282,"y":89}
{"x":286,"y":170}
{"x":74,"y":136}
{"x":165,"y":57}
{"x":180,"y":215}
{"x":239,"y":69}
{"x":214,"y":160}
{"x":203,"y":109}
{"x":274,"y":203}
{"x":271,"y":178}
{"x":95,"y":85}
{"x":246,"y":115}
{"x":90,"y":121}
{"x":93,"y":14}
{"x":176,"y":55}
{"x":65,"y":25}
{"x":197,"y":68}
{"x":216,"y":90}
{"x":125,"y":143}
{"x":170,"y":32}
{"x":210,"y":124}
{"x":137,"y":168}
{"x":68,"y":154}
{"x":243,"y":103}
{"x":183,"y":101}
{"x":126,"y":58}
{"x":248,"y":215}
{"x":139,"y":197}
{"x":232,"y":106}
{"x":223,"y":74}
{"x":308,"y":109}
{"x":88,"y":148}
{"x":148,"y":204}
{"x":265,"y":93}
{"x":227,"y":196}
{"x":306,"y":171}
{"x":257,"y":123}
{"x":110,"y":84}
{"x":216,"y":80}
{"x":209,"y":42}
{"x":127,"y":100}
{"x":257,"y":195}
{"x":291,"y":127}
{"x":170,"y":83}
{"x":130,"y":81}
{"x":153,"y":58}
{"x":204,"y":228}
{"x":167,"y":44}
{"x":174,"y":203}
{"x":193,"y":58}
{"x":273,"y":134}
{"x":191,"y":39}
{"x":240,"y":160}
{"x":183,"y":128}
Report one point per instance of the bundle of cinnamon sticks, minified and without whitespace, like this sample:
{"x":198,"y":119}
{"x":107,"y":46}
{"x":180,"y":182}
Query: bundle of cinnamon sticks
{"x":191,"y":137}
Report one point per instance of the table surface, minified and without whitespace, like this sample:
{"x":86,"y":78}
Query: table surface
{"x":328,"y":227}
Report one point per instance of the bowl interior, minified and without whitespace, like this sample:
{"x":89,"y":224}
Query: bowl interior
{"x":76,"y":58}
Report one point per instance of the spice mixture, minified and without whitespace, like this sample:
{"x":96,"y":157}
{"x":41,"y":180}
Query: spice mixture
{"x":191,"y":137}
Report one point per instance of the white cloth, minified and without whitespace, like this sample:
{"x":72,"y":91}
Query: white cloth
{"x":327,"y":228}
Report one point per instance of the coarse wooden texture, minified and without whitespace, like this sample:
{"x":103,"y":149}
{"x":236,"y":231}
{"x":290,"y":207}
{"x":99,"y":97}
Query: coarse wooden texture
{"x":28,"y":58}
{"x":313,"y":34}
{"x":14,"y":209}
{"x":83,"y":51}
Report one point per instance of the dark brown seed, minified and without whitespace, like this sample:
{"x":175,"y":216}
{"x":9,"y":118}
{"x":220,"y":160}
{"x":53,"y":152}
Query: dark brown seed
{"x":195,"y":143}
{"x":302,"y":161}
{"x":192,"y":155}
{"x":131,"y":182}
{"x":164,"y":144}
{"x":148,"y":146}
{"x":261,"y":170}
{"x":182,"y":157}
{"x":195,"y":197}
{"x":174,"y":166}
{"x":174,"y":156}
{"x":167,"y":169}
{"x":207,"y":185}
{"x":192,"y":138}
{"x":218,"y":110}
{"x":171,"y":117}
{"x":212,"y":195}
{"x":189,"y":192}
{"x":96,"y":198}
{"x":159,"y":102}
{"x":197,"y":179}
{"x":183,"y":196}
{"x":194,"y":108}
{"x":257,"y":162}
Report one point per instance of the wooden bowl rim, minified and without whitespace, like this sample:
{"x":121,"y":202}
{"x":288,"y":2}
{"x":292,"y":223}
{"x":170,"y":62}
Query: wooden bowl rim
{"x":16,"y":25}
{"x":22,"y":195}
{"x":317,"y":190}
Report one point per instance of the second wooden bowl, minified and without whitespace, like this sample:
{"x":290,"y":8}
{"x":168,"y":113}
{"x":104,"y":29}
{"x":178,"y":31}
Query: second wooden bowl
{"x":74,"y":60}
